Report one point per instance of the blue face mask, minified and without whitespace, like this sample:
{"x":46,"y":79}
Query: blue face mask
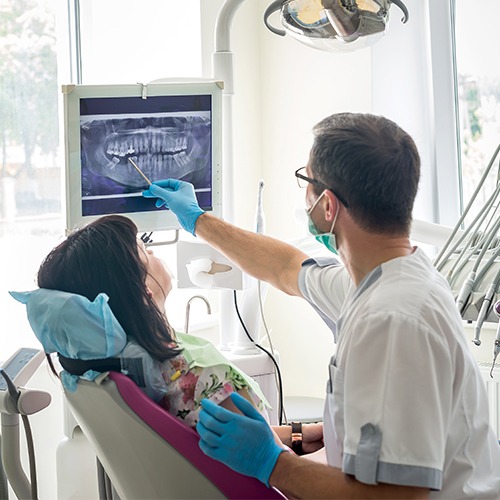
{"x":326,"y":239}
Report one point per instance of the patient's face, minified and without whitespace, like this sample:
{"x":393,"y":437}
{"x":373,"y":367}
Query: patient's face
{"x":159,"y":279}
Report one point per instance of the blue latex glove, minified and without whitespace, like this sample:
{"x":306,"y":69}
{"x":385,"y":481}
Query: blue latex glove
{"x":243,"y":442}
{"x":178,"y":196}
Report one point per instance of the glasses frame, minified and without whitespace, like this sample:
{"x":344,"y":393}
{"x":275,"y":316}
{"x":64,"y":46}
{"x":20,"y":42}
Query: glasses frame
{"x":315,"y":182}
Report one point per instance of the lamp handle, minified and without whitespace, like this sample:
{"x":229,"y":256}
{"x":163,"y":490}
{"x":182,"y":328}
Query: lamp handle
{"x":276,"y":5}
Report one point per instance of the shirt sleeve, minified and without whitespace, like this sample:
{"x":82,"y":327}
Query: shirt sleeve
{"x":396,"y":375}
{"x":325,"y":285}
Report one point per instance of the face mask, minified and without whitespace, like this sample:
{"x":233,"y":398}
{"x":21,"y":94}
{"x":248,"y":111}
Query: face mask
{"x":326,"y":239}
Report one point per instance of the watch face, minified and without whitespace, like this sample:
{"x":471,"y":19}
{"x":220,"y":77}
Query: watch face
{"x":297,"y":438}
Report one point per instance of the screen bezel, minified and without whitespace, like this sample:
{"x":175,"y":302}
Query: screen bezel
{"x":161,"y":219}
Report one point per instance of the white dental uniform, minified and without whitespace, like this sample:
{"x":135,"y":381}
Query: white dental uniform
{"x":406,"y":403}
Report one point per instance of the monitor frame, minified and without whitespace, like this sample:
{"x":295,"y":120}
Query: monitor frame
{"x":150,"y":220}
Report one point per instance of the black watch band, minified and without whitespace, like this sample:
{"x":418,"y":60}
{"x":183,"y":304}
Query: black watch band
{"x":297,"y":438}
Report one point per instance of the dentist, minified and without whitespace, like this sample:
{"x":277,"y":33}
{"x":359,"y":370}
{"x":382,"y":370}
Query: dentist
{"x":406,"y":412}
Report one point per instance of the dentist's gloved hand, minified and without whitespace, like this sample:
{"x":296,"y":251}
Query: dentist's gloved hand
{"x":178,"y":196}
{"x":243,"y":442}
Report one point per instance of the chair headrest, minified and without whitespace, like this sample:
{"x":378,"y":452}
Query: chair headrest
{"x":73,"y":326}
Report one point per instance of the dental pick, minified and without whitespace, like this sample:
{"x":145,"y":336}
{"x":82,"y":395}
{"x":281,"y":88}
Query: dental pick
{"x":140,"y":171}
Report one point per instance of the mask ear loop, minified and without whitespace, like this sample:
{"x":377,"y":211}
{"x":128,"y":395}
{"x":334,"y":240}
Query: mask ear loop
{"x":316,"y":203}
{"x":335,"y":218}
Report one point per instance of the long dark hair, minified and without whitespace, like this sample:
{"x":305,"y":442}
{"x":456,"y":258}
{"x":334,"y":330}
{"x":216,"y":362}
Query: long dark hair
{"x":104,"y":257}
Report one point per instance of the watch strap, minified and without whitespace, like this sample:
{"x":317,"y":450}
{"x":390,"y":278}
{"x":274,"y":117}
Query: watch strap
{"x":297,"y":438}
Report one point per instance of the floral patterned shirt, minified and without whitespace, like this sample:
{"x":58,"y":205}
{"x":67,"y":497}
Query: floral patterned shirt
{"x":199,"y":372}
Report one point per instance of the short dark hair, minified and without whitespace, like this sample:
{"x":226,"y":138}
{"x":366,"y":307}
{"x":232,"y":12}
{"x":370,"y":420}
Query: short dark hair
{"x":104,"y":257}
{"x":373,"y":164}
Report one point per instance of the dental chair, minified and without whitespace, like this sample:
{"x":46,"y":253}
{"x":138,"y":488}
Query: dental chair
{"x":146,"y":452}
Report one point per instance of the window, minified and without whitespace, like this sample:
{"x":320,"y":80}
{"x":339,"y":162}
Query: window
{"x":121,"y":41}
{"x":478,"y":85}
{"x":30,"y":162}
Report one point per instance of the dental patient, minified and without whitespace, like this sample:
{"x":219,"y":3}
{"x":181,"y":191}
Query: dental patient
{"x":101,"y":303}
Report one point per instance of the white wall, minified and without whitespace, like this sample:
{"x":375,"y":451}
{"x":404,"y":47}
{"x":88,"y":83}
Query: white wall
{"x":300,"y":87}
{"x":282,"y":89}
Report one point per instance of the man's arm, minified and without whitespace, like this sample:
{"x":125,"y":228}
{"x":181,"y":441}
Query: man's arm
{"x":262,"y":257}
{"x":299,"y":478}
{"x":246,"y":444}
{"x":312,"y":436}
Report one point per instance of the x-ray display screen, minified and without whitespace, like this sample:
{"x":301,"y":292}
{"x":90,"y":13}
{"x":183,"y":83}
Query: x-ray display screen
{"x":172,"y":132}
{"x":165,"y":136}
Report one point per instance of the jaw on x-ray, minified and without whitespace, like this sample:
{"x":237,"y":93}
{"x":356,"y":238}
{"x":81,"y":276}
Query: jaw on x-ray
{"x":177,"y":146}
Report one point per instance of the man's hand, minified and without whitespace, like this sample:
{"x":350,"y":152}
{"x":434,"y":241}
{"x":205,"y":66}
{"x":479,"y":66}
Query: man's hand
{"x":243,"y":442}
{"x":178,"y":196}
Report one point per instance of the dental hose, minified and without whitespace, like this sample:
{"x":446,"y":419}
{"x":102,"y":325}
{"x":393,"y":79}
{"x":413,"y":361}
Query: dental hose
{"x":496,"y":349}
{"x":469,"y":205}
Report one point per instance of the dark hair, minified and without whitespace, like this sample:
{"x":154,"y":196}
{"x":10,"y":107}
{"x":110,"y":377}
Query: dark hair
{"x":104,"y":257}
{"x":373,"y":164}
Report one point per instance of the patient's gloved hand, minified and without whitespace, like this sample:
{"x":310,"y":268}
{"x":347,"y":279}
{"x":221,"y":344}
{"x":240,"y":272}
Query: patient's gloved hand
{"x":178,"y":196}
{"x":243,"y":442}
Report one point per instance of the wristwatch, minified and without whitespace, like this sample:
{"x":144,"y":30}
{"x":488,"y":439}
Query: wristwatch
{"x":297,"y":438}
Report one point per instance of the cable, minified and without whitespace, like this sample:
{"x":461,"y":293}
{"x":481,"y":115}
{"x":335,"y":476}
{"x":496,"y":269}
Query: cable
{"x":31,"y":455}
{"x":268,"y":336}
{"x":280,"y":387}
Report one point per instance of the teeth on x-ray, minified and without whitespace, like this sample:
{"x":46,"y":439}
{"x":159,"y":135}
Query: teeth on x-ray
{"x":161,"y":147}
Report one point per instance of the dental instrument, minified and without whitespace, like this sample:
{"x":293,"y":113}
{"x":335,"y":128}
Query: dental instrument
{"x":140,"y":171}
{"x":496,"y":349}
{"x":470,"y":282}
{"x":485,"y":308}
{"x":470,"y":258}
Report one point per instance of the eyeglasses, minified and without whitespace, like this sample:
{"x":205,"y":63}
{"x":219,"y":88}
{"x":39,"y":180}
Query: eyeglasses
{"x":302,"y":181}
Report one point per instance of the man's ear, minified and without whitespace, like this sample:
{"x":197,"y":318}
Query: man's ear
{"x":331,"y":207}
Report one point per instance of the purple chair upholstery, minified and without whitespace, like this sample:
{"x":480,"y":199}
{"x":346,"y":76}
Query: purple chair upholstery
{"x":185,"y":440}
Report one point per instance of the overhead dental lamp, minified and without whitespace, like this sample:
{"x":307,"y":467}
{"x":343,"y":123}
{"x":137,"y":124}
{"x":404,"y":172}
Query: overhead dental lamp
{"x":334,"y":25}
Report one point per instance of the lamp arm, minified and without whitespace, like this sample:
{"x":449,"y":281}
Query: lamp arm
{"x":223,"y":24}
